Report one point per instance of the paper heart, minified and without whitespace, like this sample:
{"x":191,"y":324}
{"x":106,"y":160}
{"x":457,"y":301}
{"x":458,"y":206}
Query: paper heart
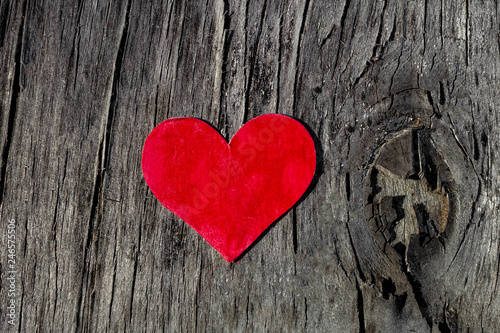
{"x":229,"y":193}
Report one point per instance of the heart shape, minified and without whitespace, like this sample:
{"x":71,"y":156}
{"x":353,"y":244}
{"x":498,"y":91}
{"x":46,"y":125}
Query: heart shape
{"x":229,"y":192}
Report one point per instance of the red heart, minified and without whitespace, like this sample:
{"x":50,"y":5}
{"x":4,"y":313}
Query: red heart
{"x":229,"y":193}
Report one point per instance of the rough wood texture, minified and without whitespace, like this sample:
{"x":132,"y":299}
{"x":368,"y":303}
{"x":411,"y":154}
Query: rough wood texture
{"x":83,"y":83}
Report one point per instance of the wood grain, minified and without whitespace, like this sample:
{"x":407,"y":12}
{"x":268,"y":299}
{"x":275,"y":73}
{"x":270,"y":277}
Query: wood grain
{"x":83,"y":83}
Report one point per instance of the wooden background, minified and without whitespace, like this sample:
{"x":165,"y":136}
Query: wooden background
{"x":82,"y":84}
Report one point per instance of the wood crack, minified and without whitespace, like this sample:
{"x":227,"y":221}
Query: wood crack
{"x":246,"y":310}
{"x":278,"y":71}
{"x":356,"y":258}
{"x":305,"y":314}
{"x":348,"y":185}
{"x":252,"y":61}
{"x":342,"y":26}
{"x":441,"y":26}
{"x":4,"y":14}
{"x":479,"y":191}
{"x":415,"y":285}
{"x":395,"y":71}
{"x":360,"y":306}
{"x":327,"y":37}
{"x":426,"y":4}
{"x":297,"y":61}
{"x":226,"y":42}
{"x":134,"y":274}
{"x":56,"y":261}
{"x":90,"y":236}
{"x":75,"y":48}
{"x":378,"y":48}
{"x":197,"y":296}
{"x":16,"y":90}
{"x":378,"y":40}
{"x":110,"y":308}
{"x":294,"y":230}
{"x":96,"y":209}
{"x":20,"y":312}
{"x":467,"y":24}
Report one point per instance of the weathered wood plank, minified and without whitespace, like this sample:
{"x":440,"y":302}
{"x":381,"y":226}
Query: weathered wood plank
{"x":54,"y":166}
{"x":83,"y":83}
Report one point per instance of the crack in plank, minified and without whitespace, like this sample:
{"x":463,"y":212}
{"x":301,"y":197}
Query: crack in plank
{"x":16,"y":90}
{"x":101,"y":163}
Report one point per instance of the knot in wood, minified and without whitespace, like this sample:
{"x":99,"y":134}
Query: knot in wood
{"x":409,"y":190}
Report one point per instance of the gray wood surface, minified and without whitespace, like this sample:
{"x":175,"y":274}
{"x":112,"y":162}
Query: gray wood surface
{"x":399,"y":231}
